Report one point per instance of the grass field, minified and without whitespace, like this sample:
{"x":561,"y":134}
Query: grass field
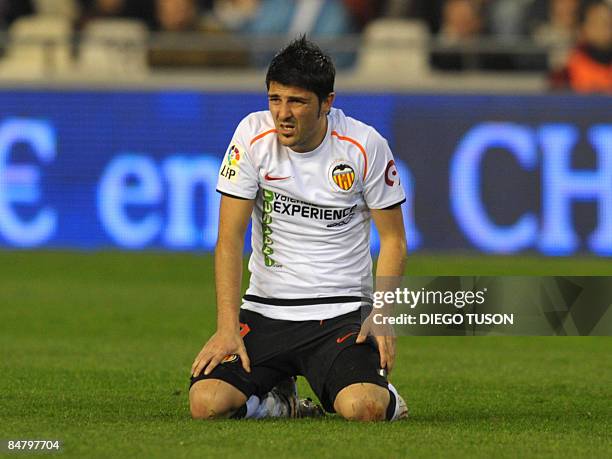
{"x":95,"y":351}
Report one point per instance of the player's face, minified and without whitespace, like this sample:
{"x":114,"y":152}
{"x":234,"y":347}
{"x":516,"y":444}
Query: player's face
{"x":299,"y":118}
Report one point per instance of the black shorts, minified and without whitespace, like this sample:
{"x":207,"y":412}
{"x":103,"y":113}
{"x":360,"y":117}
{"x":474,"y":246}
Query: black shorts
{"x":323,"y":351}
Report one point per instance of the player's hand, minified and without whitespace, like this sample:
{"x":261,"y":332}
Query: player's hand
{"x":219,"y":346}
{"x":385,"y":340}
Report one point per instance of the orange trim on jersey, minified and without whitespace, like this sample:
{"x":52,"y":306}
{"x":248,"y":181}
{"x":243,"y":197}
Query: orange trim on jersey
{"x":259,"y":136}
{"x":358,"y":145}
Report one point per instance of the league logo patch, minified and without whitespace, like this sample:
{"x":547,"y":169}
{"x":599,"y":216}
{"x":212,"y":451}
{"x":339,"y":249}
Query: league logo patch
{"x":233,"y":155}
{"x":342,"y":175}
{"x":231,"y":162}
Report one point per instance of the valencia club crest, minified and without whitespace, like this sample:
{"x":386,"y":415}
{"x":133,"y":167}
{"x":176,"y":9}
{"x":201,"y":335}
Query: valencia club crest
{"x":342,"y":175}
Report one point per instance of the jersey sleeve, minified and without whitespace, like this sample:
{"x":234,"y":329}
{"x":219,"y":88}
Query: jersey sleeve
{"x":382,"y":186}
{"x":238,"y":175}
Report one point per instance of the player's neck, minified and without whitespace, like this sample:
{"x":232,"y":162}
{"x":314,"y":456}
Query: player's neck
{"x":317,"y":139}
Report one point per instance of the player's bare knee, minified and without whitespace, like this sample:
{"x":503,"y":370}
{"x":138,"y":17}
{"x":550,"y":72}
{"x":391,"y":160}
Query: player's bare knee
{"x":206,"y":401}
{"x":362,"y":402}
{"x":359,"y":409}
{"x":364,"y":409}
{"x":205,"y":406}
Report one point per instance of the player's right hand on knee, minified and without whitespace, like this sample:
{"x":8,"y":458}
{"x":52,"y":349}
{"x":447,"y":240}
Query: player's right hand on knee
{"x":219,"y":346}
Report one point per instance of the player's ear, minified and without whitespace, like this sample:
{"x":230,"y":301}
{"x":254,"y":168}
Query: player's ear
{"x":327,"y":103}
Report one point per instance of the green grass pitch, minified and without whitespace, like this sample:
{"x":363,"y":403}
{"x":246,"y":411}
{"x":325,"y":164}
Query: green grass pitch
{"x":95,"y":351}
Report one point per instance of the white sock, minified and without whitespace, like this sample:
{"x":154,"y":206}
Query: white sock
{"x":270,"y":406}
{"x":397,"y":397}
{"x":252,"y":404}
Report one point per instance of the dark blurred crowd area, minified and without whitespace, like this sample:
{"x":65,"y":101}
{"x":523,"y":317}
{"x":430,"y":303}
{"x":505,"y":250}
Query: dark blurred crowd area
{"x":571,"y":40}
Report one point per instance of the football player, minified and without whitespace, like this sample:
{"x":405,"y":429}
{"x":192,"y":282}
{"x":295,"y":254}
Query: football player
{"x":311,"y":179}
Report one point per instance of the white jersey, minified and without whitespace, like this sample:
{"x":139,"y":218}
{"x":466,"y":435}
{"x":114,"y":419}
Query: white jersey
{"x":311,"y":221}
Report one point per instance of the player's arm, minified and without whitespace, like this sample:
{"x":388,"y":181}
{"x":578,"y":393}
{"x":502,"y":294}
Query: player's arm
{"x":391,"y":262}
{"x":390,"y":226}
{"x":234,"y":217}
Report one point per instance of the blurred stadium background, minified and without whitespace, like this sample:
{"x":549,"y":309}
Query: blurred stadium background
{"x":114,"y":116}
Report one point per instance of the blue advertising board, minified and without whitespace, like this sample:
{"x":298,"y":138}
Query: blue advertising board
{"x":137,"y":170}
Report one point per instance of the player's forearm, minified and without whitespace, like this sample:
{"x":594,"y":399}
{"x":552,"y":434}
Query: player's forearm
{"x":391,"y":263}
{"x":392,"y":257}
{"x":228,"y":277}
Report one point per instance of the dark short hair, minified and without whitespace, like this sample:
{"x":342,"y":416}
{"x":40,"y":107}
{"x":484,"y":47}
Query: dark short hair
{"x":586,"y":7}
{"x":303,"y":64}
